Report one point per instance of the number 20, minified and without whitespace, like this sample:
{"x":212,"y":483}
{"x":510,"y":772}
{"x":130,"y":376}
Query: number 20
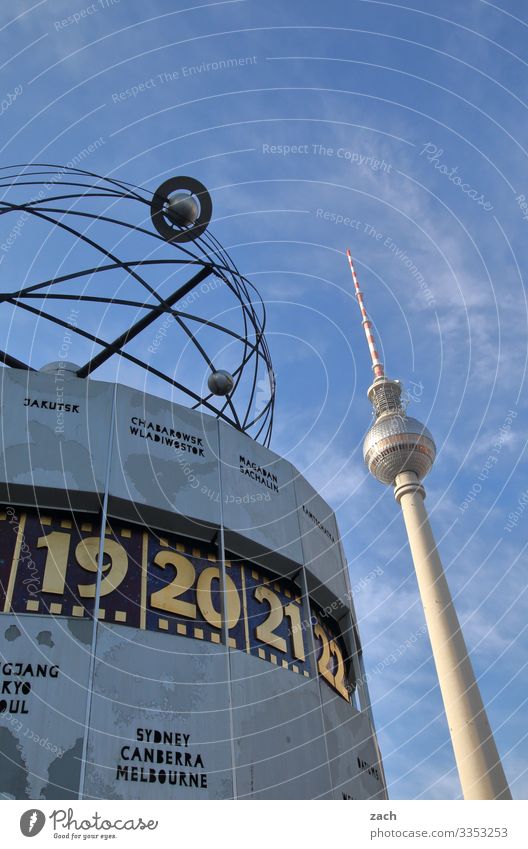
{"x":168,"y":597}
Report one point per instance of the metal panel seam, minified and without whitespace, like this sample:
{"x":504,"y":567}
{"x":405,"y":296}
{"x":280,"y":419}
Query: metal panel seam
{"x":310,"y":631}
{"x":97,"y":597}
{"x":225,"y":627}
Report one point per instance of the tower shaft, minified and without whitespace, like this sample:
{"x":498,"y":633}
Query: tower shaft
{"x":478,"y":762}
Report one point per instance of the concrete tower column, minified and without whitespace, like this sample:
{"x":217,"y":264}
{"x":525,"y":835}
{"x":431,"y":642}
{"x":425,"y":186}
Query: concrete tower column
{"x":400,"y":451}
{"x":479,"y":766}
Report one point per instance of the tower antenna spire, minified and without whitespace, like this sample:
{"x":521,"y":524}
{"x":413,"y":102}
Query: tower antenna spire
{"x":377,"y":365}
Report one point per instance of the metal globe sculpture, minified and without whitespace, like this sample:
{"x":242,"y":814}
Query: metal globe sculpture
{"x":133,"y":286}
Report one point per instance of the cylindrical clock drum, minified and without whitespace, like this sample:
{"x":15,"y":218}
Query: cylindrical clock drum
{"x":177,"y":615}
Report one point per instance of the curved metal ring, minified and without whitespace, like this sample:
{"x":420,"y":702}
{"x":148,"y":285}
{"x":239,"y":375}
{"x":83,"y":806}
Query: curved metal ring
{"x":160,"y":198}
{"x":62,"y":209}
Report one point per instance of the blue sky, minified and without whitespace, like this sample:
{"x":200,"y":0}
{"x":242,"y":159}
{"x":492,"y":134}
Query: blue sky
{"x":409,"y":127}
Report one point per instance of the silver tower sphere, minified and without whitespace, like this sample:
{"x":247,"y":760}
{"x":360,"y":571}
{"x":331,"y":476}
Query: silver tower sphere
{"x":182,"y":209}
{"x":396,"y":442}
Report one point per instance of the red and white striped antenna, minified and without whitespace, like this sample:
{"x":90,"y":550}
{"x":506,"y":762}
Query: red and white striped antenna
{"x":377,"y":365}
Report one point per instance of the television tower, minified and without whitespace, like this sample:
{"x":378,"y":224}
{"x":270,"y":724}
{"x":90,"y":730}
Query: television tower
{"x":400,"y":451}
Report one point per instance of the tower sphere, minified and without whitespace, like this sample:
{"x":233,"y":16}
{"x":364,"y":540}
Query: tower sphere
{"x":182,"y":209}
{"x":61,"y":367}
{"x":220,"y":382}
{"x":397,"y":443}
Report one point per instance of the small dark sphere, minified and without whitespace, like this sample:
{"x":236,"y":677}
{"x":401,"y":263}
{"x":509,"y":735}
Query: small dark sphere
{"x":220,"y":382}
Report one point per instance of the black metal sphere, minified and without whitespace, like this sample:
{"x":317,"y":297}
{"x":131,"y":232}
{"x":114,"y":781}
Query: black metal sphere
{"x":220,"y":382}
{"x":183,"y":209}
{"x":163,"y":215}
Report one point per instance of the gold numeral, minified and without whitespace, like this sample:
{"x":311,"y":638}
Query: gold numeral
{"x":265,"y":631}
{"x":339,"y":677}
{"x":204,"y":598}
{"x":330,"y":648}
{"x":324,"y":660}
{"x":293,"y":612}
{"x":58,"y":546}
{"x":168,"y":597}
{"x":87,"y":554}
